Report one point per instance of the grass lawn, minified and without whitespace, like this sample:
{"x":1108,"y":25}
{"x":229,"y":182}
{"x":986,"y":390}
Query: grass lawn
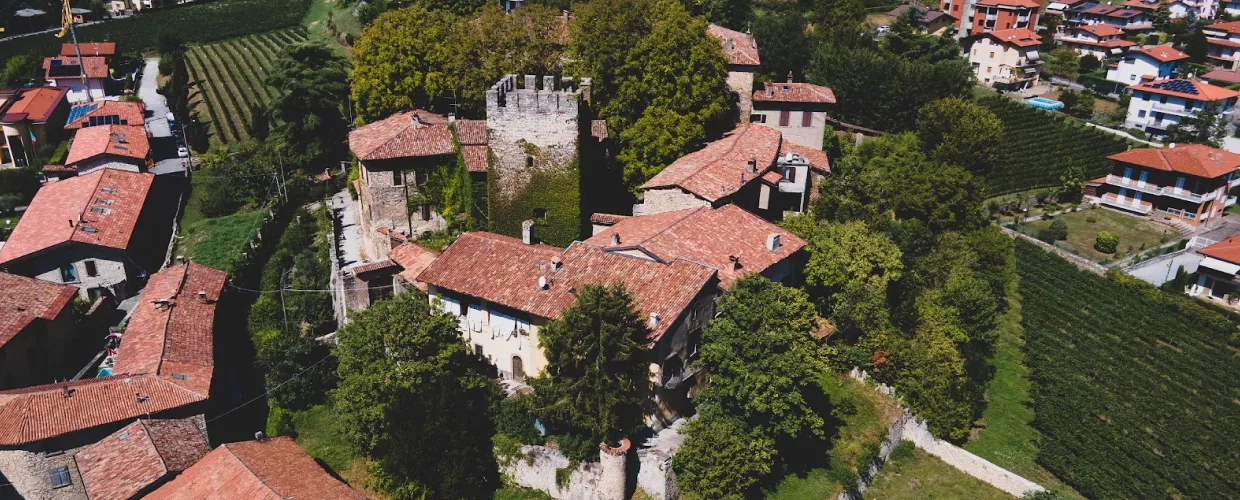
{"x":912,"y":473}
{"x":318,"y":431}
{"x":864,"y":428}
{"x":8,"y":223}
{"x":218,"y":242}
{"x":1004,"y":434}
{"x":1135,"y":233}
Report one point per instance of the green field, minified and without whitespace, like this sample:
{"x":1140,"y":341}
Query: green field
{"x":199,"y":22}
{"x":1135,"y":391}
{"x":229,"y":77}
{"x":1135,"y":233}
{"x":915,"y":474}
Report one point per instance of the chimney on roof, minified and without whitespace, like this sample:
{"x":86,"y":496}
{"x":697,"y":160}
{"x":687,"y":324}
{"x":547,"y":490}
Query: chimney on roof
{"x":772,"y":242}
{"x":414,"y":120}
{"x":752,"y":164}
{"x":527,"y":232}
{"x":735,"y":260}
{"x":68,"y":392}
{"x":202,"y":294}
{"x":729,"y":46}
{"x":451,"y":118}
{"x":259,"y":436}
{"x":789,"y":76}
{"x":769,"y":91}
{"x":653,"y":322}
{"x":615,"y":239}
{"x":556,"y":263}
{"x":542,"y":283}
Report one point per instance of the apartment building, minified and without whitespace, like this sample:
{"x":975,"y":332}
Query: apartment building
{"x":1142,"y":64}
{"x":1157,"y":105}
{"x":1007,"y":59}
{"x":1099,"y":40}
{"x":1187,"y":181}
{"x":974,"y":17}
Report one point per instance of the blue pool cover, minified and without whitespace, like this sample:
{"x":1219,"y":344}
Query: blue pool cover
{"x":1044,"y":103}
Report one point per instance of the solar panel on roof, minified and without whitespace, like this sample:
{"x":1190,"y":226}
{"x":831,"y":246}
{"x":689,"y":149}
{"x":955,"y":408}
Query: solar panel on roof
{"x":77,"y":112}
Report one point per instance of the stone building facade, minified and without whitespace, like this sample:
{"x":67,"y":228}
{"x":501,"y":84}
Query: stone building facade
{"x":741,"y":51}
{"x":797,"y":110}
{"x":532,"y":128}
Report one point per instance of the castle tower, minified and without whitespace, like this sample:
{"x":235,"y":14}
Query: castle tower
{"x":533,"y":128}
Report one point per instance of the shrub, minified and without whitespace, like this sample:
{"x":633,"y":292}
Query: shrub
{"x":1046,"y":236}
{"x":1151,"y":39}
{"x":9,"y":202}
{"x":1059,"y":229}
{"x":1138,"y":133}
{"x":1106,"y":242}
{"x":1091,"y":219}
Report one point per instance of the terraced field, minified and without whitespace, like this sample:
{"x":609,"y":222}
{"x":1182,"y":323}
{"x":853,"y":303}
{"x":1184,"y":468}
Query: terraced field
{"x":230,"y":78}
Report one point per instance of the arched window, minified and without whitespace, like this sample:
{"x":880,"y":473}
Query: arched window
{"x":529,"y":162}
{"x":518,"y":369}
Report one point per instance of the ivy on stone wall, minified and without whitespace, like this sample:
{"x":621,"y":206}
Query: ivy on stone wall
{"x":556,"y":192}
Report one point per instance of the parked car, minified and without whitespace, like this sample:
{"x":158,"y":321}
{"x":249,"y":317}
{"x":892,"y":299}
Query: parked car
{"x":884,"y":28}
{"x":182,"y":152}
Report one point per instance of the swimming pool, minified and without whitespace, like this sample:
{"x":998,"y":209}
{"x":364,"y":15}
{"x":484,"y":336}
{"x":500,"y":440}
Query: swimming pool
{"x":1044,"y":103}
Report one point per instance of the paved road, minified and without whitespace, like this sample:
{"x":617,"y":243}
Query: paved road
{"x":163,"y":144}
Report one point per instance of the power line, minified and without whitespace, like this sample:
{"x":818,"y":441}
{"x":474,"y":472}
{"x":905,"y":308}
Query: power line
{"x":311,"y":290}
{"x":269,"y":391}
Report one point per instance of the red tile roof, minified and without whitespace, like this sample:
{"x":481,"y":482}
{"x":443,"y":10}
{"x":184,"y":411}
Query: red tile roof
{"x":772,"y":177}
{"x":1232,"y":27}
{"x":1100,"y":30}
{"x":89,"y":49}
{"x":275,"y":468}
{"x":705,"y":235}
{"x":35,"y":105}
{"x":1027,"y":4}
{"x":1228,"y":250}
{"x":740,"y":48}
{"x":132,"y":112}
{"x":1205,"y":91}
{"x":139,"y":455}
{"x":598,"y":129}
{"x":471,"y":132}
{"x":816,"y":157}
{"x":36,"y":413}
{"x":721,"y":168}
{"x":403,"y":135}
{"x":174,"y":341}
{"x":1163,"y":53}
{"x":1222,"y":75}
{"x":1222,"y":43}
{"x":607,"y":219}
{"x":24,"y":300}
{"x":121,"y":140}
{"x":96,"y":67}
{"x":413,"y":259}
{"x":1019,"y":37}
{"x":505,"y":271}
{"x":1191,"y":159}
{"x":64,"y":212}
{"x":475,"y":158}
{"x":794,"y":92}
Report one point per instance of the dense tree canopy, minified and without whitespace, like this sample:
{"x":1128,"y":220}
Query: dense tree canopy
{"x":525,"y":41}
{"x":1206,"y":126}
{"x":961,"y":133}
{"x":306,"y":112}
{"x":402,"y":60}
{"x":595,"y":379}
{"x":783,"y":45}
{"x":412,"y":401}
{"x":722,"y":459}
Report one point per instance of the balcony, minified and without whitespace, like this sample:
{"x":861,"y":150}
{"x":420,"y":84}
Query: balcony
{"x":1129,"y":204}
{"x":1174,"y":109}
{"x":1179,"y":194}
{"x":1138,"y":26}
{"x":1234,"y":182}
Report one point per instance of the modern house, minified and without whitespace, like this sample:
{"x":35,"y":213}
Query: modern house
{"x":1131,"y":20}
{"x":504,"y":290}
{"x":66,"y":72}
{"x":38,"y":340}
{"x":1099,"y":40}
{"x":1218,"y":274}
{"x":1007,"y":59}
{"x":163,"y":370}
{"x":730,"y":240}
{"x":1232,"y":7}
{"x":106,"y":50}
{"x":1190,"y":182}
{"x":30,"y":118}
{"x":928,"y":21}
{"x":97,"y":113}
{"x":120,"y":147}
{"x":741,"y":51}
{"x":974,"y":17}
{"x":796,"y":110}
{"x":396,"y":157}
{"x":1157,"y":105}
{"x":1201,"y":9}
{"x":1223,"y":42}
{"x":269,"y":468}
{"x":752,"y":167}
{"x":1142,"y":64}
{"x":98,"y":232}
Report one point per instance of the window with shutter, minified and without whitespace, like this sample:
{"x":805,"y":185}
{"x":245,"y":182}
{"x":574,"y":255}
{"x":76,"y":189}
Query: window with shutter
{"x":807,"y":118}
{"x":783,"y":118}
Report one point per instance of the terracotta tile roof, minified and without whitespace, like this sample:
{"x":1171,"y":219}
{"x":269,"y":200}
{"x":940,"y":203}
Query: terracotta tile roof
{"x":398,"y":136}
{"x":502,"y":270}
{"x":608,"y":219}
{"x":794,"y":92}
{"x":413,"y":259}
{"x":1110,"y":44}
{"x":373,"y":266}
{"x":475,"y":158}
{"x":89,"y":49}
{"x":121,"y":140}
{"x":275,"y":468}
{"x":35,"y":105}
{"x":96,"y":67}
{"x":772,"y":177}
{"x":1163,"y":53}
{"x":1019,"y":37}
{"x":1222,"y":43}
{"x":705,"y":235}
{"x":816,"y":157}
{"x":1100,"y":30}
{"x":1204,"y":91}
{"x":721,"y":168}
{"x":126,"y":113}
{"x":598,"y":129}
{"x":174,"y":341}
{"x":1027,"y":4}
{"x":1143,"y":4}
{"x":1232,"y":27}
{"x":139,"y":455}
{"x":740,"y":48}
{"x":471,"y":132}
{"x":1222,"y":75}
{"x":41,"y":412}
{"x":23,"y":300}
{"x":1191,"y":159}
{"x":118,"y":195}
{"x":1228,"y":250}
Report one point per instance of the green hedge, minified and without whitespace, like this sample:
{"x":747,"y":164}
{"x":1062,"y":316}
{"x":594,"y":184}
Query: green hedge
{"x":199,"y":22}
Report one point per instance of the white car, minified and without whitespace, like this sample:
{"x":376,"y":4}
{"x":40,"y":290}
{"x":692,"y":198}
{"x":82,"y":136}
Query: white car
{"x":182,"y":152}
{"x":884,"y":28}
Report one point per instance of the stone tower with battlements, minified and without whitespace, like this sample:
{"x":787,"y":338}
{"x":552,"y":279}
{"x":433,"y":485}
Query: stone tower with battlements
{"x":532,"y":127}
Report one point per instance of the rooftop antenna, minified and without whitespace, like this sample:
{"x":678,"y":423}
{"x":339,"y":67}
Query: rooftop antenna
{"x":66,"y":21}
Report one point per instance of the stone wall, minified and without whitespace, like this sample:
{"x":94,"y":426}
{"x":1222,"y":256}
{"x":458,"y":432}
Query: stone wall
{"x":532,"y":128}
{"x":112,"y":270}
{"x":537,"y":467}
{"x":657,"y":201}
{"x":384,"y":204}
{"x":741,"y":82}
